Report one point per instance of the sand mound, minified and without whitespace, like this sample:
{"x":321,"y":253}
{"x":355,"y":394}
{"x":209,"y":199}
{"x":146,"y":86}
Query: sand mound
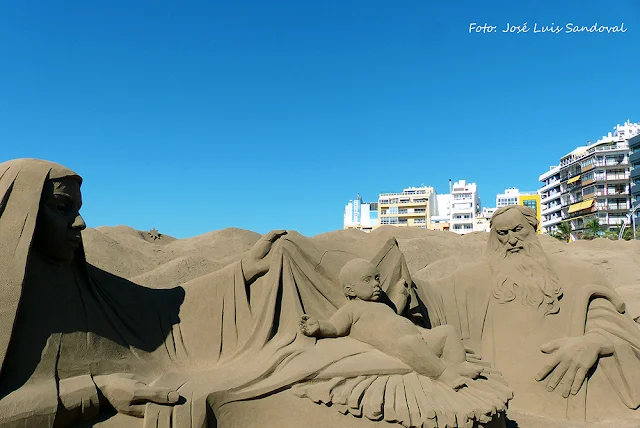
{"x":164,"y":262}
{"x":430,"y":254}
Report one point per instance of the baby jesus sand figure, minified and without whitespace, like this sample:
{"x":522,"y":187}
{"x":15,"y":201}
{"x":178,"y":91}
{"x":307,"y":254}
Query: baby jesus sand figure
{"x":437,"y":353}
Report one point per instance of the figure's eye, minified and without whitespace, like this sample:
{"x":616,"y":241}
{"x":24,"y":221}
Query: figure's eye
{"x":517,"y":229}
{"x":367,"y":279}
{"x":502,"y":232}
{"x":61,"y":207}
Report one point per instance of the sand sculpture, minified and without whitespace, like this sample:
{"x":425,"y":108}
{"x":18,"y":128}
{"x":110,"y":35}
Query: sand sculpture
{"x":556,"y":330}
{"x":77,"y":341}
{"x":437,"y":353}
{"x":82,"y":347}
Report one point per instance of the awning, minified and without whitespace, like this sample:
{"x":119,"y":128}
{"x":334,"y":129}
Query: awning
{"x":573,"y":179}
{"x":581,"y":206}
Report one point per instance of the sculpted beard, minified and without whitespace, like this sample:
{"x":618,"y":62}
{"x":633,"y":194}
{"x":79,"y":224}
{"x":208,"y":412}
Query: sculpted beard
{"x":526,"y":274}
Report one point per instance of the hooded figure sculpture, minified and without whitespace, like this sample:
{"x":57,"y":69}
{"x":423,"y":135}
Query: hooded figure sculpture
{"x":75,"y":340}
{"x":67,"y":327}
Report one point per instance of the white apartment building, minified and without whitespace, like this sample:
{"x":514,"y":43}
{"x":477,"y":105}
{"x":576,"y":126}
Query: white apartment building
{"x":550,"y":200}
{"x":360,"y":215}
{"x":590,"y":182}
{"x":442,"y":216}
{"x":465,"y":206}
{"x":509,"y":197}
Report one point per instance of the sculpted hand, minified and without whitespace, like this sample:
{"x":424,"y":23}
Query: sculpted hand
{"x":257,"y":263}
{"x":263,"y":246}
{"x":572,"y":359}
{"x":403,"y":287}
{"x":309,"y":325}
{"x":129,"y":395}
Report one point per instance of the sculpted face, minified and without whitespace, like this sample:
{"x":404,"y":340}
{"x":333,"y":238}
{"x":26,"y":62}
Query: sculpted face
{"x":365,"y":282}
{"x":57,"y":235}
{"x":512,"y":230}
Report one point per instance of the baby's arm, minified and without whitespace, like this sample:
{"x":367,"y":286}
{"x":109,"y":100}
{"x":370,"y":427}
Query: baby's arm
{"x":400,"y":297}
{"x":339,"y":325}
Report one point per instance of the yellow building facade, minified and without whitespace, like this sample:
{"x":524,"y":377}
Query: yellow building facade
{"x":532,"y":201}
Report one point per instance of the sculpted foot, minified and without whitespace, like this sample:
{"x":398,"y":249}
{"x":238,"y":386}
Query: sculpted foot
{"x":452,"y":379}
{"x":467,"y":369}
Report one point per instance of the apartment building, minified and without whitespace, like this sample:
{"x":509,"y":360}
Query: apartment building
{"x":412,"y":207}
{"x":509,"y":197}
{"x":360,"y":215}
{"x":550,"y":201}
{"x":595,"y":181}
{"x":634,"y":160}
{"x":465,"y":206}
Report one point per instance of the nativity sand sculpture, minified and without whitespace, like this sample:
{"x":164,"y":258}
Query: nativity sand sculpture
{"x":555,"y":329}
{"x":82,"y":347}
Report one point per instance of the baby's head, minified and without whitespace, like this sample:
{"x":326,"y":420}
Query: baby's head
{"x":360,"y":279}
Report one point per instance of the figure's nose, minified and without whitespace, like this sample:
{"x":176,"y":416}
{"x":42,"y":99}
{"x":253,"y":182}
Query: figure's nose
{"x":79,"y":223}
{"x":513,"y":240}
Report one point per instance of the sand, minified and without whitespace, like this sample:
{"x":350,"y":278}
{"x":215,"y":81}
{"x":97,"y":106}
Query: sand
{"x":168,"y":262}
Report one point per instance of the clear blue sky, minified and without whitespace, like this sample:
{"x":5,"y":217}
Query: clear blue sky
{"x":196,"y":116}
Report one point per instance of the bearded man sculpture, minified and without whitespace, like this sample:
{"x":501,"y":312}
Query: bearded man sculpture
{"x":554,"y":328}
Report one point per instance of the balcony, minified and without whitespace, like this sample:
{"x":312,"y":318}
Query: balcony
{"x":404,"y":214}
{"x":611,"y":193}
{"x":550,"y":195}
{"x":551,"y":209}
{"x":613,"y":207}
{"x":580,"y":208}
{"x":588,"y":168}
{"x":550,"y":185}
{"x":546,"y":222}
{"x":609,"y":178}
{"x":416,"y":202}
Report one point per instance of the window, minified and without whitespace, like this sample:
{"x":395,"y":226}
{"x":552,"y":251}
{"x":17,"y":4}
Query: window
{"x":531,"y":203}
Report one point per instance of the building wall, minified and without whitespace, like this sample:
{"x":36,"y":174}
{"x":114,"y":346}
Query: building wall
{"x":411,"y":207}
{"x":360,"y":215}
{"x":634,"y":178}
{"x":532,"y":201}
{"x":439,"y":225}
{"x":465,"y":206}
{"x":482,"y":224}
{"x":550,"y":200}
{"x":509,"y":197}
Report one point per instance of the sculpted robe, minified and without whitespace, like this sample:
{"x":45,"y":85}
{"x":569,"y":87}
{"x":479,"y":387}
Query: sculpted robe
{"x":510,"y":336}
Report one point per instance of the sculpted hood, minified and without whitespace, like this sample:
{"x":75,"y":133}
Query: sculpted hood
{"x":21,"y":184}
